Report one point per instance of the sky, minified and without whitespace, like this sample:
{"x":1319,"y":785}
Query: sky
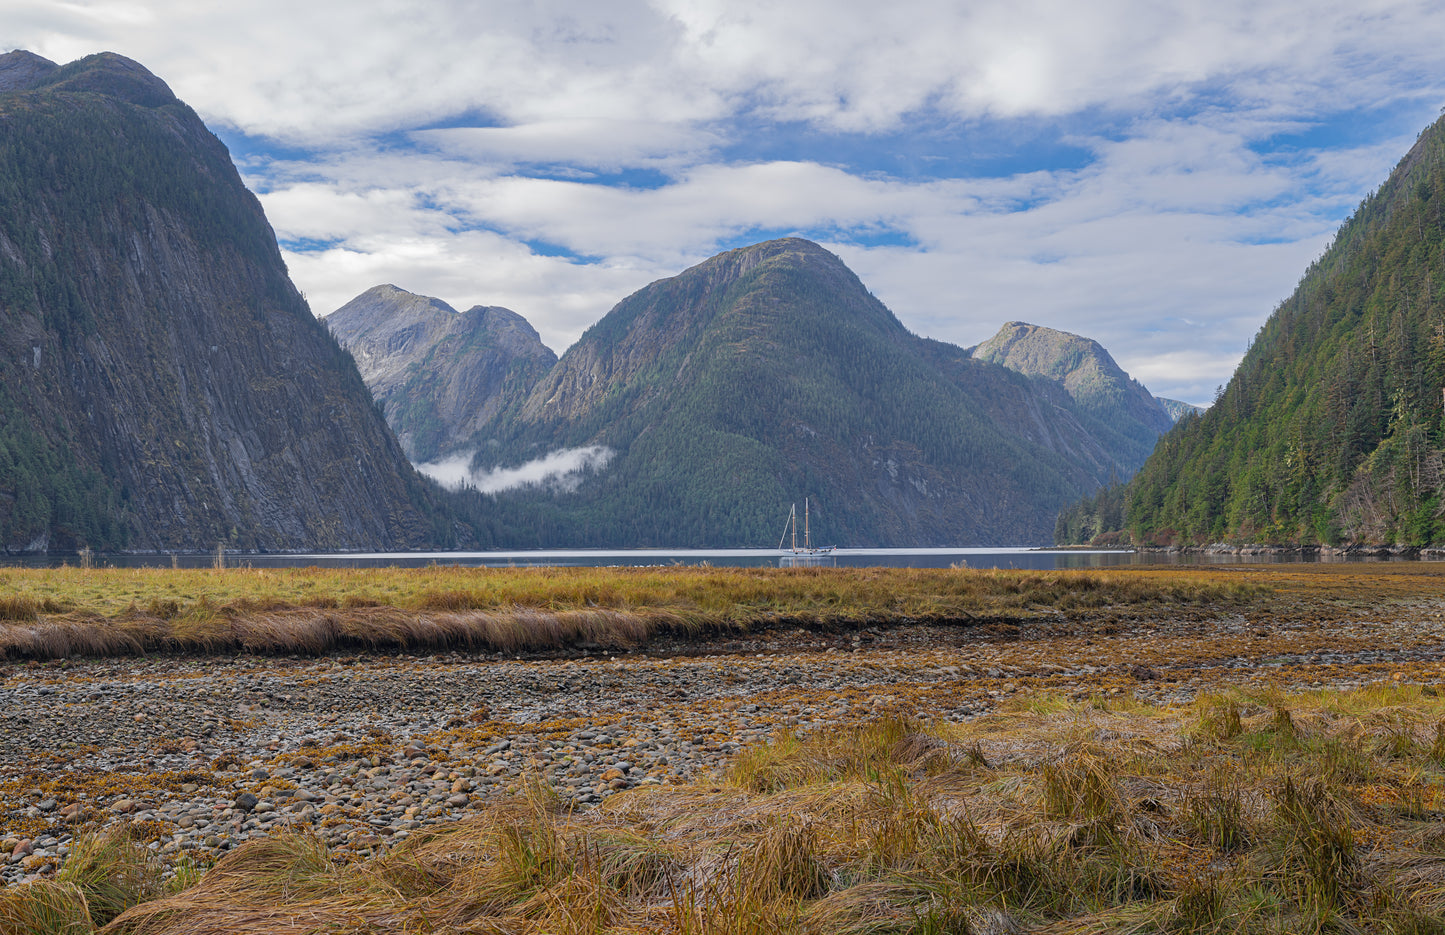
{"x":1154,"y":174}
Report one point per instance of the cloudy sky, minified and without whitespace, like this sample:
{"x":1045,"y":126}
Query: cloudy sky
{"x":1153,"y":174}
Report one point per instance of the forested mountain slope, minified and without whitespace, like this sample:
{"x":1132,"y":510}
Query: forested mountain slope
{"x":768,"y":374}
{"x":439,"y":374}
{"x":1330,"y":430}
{"x":162,"y":383}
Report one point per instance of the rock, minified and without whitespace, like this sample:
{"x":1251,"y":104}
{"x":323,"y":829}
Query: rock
{"x":459,"y":800}
{"x":245,"y":802}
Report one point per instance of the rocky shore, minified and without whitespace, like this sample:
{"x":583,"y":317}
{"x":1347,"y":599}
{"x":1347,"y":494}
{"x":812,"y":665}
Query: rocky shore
{"x":1322,"y":553}
{"x":202,"y":754}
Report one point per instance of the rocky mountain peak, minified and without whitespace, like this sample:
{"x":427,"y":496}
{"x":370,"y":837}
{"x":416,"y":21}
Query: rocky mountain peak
{"x":438,"y":373}
{"x":21,"y":70}
{"x":112,"y":75}
{"x":1086,"y":371}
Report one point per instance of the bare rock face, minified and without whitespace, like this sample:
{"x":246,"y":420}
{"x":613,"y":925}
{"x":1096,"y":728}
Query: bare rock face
{"x":162,"y":383}
{"x":438,"y":373}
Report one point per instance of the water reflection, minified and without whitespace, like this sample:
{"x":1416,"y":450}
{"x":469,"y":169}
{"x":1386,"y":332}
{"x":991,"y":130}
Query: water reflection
{"x":1021,"y":558}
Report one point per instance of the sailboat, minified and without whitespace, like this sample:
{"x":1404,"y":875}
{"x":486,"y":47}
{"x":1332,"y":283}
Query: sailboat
{"x":792,"y":524}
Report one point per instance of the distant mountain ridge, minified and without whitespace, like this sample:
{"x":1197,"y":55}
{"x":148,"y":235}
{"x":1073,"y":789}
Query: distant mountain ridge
{"x":767,"y":374}
{"x":162,"y":383}
{"x":1178,"y":409}
{"x":1089,"y":374}
{"x":440,"y":374}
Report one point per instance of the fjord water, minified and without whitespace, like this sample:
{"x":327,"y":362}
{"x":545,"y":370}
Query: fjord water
{"x":1040,"y":559}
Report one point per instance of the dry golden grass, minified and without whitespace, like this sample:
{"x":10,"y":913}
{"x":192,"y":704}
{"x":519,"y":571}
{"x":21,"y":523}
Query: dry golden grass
{"x":1244,"y":812}
{"x":53,"y":613}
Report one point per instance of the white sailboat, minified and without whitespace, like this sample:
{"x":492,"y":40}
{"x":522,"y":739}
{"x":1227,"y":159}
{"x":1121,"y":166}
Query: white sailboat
{"x":807,"y":548}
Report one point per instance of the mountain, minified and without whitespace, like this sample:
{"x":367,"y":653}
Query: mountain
{"x":162,"y":383}
{"x":439,"y":374}
{"x":701,"y":406}
{"x":1178,"y":409}
{"x":1089,"y":375}
{"x":1330,"y":429}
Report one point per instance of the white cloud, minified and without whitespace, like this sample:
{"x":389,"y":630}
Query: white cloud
{"x":1176,"y":223}
{"x":561,"y":470}
{"x":449,"y":147}
{"x":589,"y":143}
{"x":338,"y":69}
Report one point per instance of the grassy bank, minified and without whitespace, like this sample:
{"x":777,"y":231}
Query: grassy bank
{"x":50,"y":613}
{"x":1316,"y":812}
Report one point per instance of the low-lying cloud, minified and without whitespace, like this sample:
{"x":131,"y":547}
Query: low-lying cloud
{"x":561,"y":471}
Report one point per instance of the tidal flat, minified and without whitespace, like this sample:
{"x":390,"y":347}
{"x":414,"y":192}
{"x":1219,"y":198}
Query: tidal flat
{"x":1242,"y":748}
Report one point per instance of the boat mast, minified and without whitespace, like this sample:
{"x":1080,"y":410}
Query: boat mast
{"x":792,"y":524}
{"x":807,"y":528}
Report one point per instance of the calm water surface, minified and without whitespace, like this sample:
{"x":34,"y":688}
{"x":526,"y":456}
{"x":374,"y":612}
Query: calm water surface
{"x":1031,"y":558}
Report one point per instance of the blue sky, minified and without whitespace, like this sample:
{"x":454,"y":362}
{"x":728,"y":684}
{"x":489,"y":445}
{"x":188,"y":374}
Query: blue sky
{"x":1156,"y":175}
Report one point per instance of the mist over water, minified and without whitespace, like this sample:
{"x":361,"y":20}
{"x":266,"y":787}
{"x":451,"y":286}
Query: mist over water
{"x":560,"y":470}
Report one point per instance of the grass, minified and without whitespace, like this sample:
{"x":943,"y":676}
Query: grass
{"x":1007,"y":823}
{"x":54,"y":613}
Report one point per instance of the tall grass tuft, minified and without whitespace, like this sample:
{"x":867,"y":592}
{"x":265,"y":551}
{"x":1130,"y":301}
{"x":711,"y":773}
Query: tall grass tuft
{"x":1220,"y":719}
{"x":1215,"y":812}
{"x":44,"y":907}
{"x":114,"y":871}
{"x":1314,"y":843}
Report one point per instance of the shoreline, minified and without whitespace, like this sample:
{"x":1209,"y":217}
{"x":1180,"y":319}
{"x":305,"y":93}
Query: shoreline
{"x":1434,"y":553}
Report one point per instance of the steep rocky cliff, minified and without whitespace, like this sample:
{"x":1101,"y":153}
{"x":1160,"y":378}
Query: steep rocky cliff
{"x":162,"y":383}
{"x":703,"y":405}
{"x":439,"y":374}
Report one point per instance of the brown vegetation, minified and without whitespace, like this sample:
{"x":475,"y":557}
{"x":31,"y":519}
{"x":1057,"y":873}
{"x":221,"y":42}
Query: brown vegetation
{"x":54,"y":613}
{"x":1244,"y":812}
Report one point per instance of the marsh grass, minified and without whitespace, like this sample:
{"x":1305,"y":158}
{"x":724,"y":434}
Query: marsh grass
{"x":104,"y":875}
{"x":1002,"y":824}
{"x":48,"y":613}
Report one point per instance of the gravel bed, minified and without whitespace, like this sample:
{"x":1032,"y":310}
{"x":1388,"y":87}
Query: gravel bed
{"x":202,"y":754}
